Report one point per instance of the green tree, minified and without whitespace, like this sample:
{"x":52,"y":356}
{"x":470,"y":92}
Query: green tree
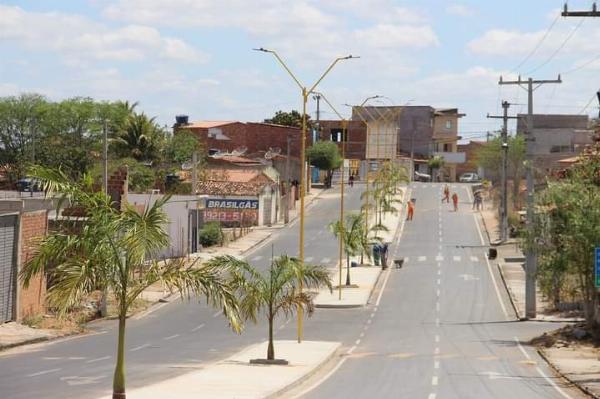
{"x":435,"y":164}
{"x":276,"y":292}
{"x":489,"y":157}
{"x":292,"y":118}
{"x":181,"y":146}
{"x":141,"y":177}
{"x":111,"y":252}
{"x":325,"y":155}
{"x":141,"y":138}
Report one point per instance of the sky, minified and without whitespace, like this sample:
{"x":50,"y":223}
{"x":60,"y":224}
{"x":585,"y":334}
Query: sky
{"x":195,"y":57}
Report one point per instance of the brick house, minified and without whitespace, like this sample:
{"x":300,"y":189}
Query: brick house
{"x":470,"y":149}
{"x":228,"y":136}
{"x":22,"y":223}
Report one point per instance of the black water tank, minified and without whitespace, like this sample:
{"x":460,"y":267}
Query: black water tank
{"x":181,"y":119}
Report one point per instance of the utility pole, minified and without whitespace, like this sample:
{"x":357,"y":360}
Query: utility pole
{"x":317,"y":97}
{"x":504,"y":171}
{"x":194,"y":172}
{"x":288,"y":193}
{"x":105,"y":157}
{"x":531,"y":258}
{"x":593,"y":13}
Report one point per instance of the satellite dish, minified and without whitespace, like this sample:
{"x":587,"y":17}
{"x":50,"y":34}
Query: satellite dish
{"x":239,"y":151}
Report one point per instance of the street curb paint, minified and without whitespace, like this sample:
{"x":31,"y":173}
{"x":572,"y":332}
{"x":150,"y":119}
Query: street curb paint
{"x":557,"y":371}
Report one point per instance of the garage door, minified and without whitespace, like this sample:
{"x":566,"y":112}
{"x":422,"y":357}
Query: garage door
{"x":8,"y":267}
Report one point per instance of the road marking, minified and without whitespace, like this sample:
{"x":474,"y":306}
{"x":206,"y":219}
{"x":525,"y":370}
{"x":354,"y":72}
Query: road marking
{"x":137,"y":348}
{"x":438,"y":293}
{"x":522,"y":349}
{"x":406,"y":259}
{"x":217,"y":314}
{"x":437,"y":322}
{"x":437,"y":306}
{"x":431,"y":396}
{"x":439,"y":281}
{"x":325,"y":260}
{"x":468,"y":277}
{"x":170,"y":337}
{"x":422,"y":258}
{"x":436,"y":364}
{"x":456,"y":258}
{"x":357,"y":342}
{"x":43,"y":372}
{"x":434,"y":380}
{"x":440,"y":239}
{"x":382,"y":289}
{"x":439,"y":272}
{"x":309,"y":259}
{"x":437,"y":338}
{"x":362,"y":334}
{"x":436,"y":351}
{"x":198,"y":327}
{"x":474,"y":259}
{"x":98,"y":359}
{"x":257,"y":258}
{"x":478,"y":229}
{"x":76,"y":380}
{"x":551,"y":382}
{"x":439,"y":258}
{"x":440,"y":233}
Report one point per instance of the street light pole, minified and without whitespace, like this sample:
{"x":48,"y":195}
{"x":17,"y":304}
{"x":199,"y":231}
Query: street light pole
{"x":305,"y":93}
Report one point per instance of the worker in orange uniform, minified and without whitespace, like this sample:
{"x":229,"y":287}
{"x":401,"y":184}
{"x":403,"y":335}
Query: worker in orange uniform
{"x":446,"y":194}
{"x":455,"y":202}
{"x":411,"y":210}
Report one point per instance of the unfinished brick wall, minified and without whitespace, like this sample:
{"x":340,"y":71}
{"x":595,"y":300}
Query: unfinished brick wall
{"x":33,"y":227}
{"x":356,"y":146}
{"x":118,"y":186}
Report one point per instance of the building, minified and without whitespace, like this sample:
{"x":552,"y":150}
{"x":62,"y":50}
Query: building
{"x":240,"y":137}
{"x":22,"y":223}
{"x":470,"y":165}
{"x":556,"y":137}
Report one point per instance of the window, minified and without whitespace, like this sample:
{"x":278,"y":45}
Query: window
{"x":336,"y":135}
{"x":447,"y":148}
{"x":448,"y":125}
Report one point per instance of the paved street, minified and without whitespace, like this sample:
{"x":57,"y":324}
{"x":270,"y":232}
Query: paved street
{"x":443,"y":329}
{"x":439,"y":329}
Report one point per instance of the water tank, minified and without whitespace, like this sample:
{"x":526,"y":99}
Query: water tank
{"x":181,"y":120}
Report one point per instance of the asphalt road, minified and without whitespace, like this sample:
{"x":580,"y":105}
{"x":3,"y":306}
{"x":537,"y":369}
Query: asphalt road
{"x":409,"y":342}
{"x":179,"y":336}
{"x":444,"y":327}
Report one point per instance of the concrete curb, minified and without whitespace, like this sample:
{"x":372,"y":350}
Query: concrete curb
{"x":510,"y":294}
{"x":40,"y":340}
{"x":337,"y":352}
{"x":558,"y":372}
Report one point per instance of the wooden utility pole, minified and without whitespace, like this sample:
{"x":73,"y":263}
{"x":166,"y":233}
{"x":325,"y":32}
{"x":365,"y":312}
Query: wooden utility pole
{"x":593,"y":13}
{"x":531,"y":259}
{"x":504,"y":171}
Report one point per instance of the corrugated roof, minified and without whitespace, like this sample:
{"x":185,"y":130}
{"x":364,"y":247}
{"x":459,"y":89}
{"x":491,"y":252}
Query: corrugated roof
{"x":208,"y":124}
{"x":230,"y":188}
{"x":234,"y":175}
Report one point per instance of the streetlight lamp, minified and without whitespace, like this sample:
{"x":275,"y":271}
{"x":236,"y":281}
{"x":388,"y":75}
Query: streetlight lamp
{"x":305,"y":93}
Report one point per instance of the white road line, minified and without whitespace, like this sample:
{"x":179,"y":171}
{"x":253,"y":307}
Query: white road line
{"x":382,"y":288}
{"x":440,"y":239}
{"x":522,"y":349}
{"x":436,"y":364}
{"x":217,"y":314}
{"x":362,"y":334}
{"x":431,"y":396}
{"x":43,"y":372}
{"x":439,"y":272}
{"x":490,"y":270}
{"x":474,"y":259}
{"x":456,"y":258}
{"x":437,"y":338}
{"x":437,"y":322}
{"x":406,"y":259}
{"x":197,"y":327}
{"x":98,"y":359}
{"x":326,"y":376}
{"x":551,"y":382}
{"x":309,"y":259}
{"x":257,"y":258}
{"x":438,"y":293}
{"x":170,"y":337}
{"x":137,"y":348}
{"x":436,"y":351}
{"x":437,"y":306}
{"x":439,"y":281}
{"x":422,"y":258}
{"x":357,"y":342}
{"x":325,"y":260}
{"x":439,"y":258}
{"x":434,"y":380}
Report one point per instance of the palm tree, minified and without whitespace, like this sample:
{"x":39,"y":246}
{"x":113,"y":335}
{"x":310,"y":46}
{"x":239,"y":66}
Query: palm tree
{"x":355,"y":237}
{"x":276,"y":292}
{"x":140,"y":138}
{"x":111,"y":252}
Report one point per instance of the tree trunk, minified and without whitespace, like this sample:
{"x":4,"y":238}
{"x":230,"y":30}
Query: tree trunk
{"x":270,"y":348}
{"x":347,"y":269}
{"x":516,"y":185}
{"x":119,"y":376}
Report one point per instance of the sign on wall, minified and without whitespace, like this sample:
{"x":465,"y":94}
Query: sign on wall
{"x":237,"y":204}
{"x":231,"y":215}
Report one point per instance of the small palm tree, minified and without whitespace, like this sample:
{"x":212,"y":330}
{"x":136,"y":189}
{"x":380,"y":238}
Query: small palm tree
{"x":140,"y":138}
{"x":110,"y":253}
{"x":276,"y":292}
{"x":435,"y":164}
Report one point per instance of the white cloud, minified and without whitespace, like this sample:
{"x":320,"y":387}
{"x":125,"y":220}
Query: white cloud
{"x":79,"y":39}
{"x":395,"y":36}
{"x":460,"y":10}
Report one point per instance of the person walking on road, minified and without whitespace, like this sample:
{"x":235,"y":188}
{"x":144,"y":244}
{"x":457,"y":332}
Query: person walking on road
{"x":351,"y":180}
{"x":477,"y":200}
{"x":455,"y":201}
{"x":411,"y":210}
{"x":446,"y":197}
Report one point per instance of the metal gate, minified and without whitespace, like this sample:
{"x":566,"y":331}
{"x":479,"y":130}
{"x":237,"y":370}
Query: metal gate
{"x":8,"y":267}
{"x":268,"y":202}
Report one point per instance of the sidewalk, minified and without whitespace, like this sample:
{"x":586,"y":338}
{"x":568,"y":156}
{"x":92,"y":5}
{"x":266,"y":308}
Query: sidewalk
{"x":236,"y":378}
{"x":578,"y":364}
{"x":15,"y":334}
{"x":363,"y":278}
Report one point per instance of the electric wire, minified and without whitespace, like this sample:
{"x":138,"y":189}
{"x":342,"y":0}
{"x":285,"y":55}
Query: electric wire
{"x":588,"y":104}
{"x":537,"y":46}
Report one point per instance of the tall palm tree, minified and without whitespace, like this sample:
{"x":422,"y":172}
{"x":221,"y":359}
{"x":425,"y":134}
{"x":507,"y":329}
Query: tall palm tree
{"x":355,"y":237}
{"x":277,"y":291}
{"x":111,"y":252}
{"x":140,"y":138}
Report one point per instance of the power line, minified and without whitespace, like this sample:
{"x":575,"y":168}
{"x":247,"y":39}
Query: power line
{"x":588,"y":104}
{"x":537,"y":46}
{"x":596,"y":58}
{"x":555,"y":53}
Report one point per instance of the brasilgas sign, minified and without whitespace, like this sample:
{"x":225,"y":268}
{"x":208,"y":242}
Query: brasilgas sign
{"x":238,"y":204}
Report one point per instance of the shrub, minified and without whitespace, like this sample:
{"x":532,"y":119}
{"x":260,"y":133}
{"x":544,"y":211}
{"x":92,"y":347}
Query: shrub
{"x":211,"y":234}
